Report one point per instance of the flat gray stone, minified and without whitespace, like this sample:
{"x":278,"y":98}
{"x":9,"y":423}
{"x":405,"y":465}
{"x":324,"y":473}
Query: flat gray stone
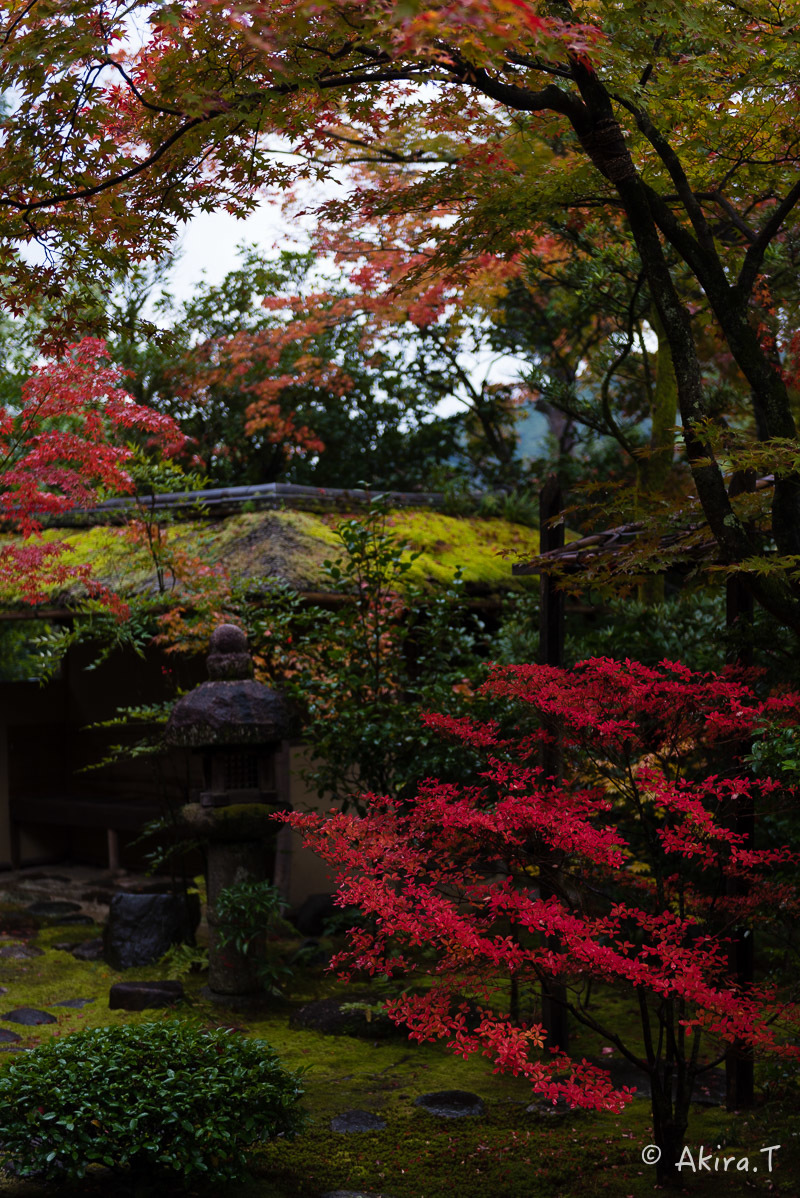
{"x":20,"y":952}
{"x":552,"y":1110}
{"x":76,"y":1003}
{"x":7,"y":1037}
{"x":356,"y":1121}
{"x":347,"y":1016}
{"x":89,"y":950}
{"x":354,"y":1194}
{"x":47,"y":907}
{"x":451,"y":1104}
{"x":28,"y":1016}
{"x":139,"y":996}
{"x":75,"y":920}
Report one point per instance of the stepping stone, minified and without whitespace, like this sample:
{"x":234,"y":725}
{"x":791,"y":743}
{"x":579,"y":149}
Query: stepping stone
{"x":99,"y":896}
{"x":3,"y":990}
{"x":354,"y":1194}
{"x":76,"y":1003}
{"x":352,"y":1015}
{"x":138,"y":996}
{"x":451,"y":1104}
{"x":19,"y":952}
{"x":552,"y":1110}
{"x":47,"y":907}
{"x":355,"y":1121}
{"x":28,"y":1016}
{"x":76,"y":920}
{"x":89,"y":950}
{"x":7,"y":1037}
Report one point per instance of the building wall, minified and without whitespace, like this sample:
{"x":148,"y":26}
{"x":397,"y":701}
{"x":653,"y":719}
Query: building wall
{"x":45,"y":743}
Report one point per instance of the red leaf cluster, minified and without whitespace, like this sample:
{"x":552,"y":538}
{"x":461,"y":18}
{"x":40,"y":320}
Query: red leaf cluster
{"x":66,"y":448}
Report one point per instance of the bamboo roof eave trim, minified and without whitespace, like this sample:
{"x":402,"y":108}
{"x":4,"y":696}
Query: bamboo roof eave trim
{"x":222,"y":500}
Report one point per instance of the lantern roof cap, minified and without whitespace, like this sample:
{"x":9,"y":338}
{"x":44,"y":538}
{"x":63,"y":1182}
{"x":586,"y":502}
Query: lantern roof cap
{"x":231,"y":708}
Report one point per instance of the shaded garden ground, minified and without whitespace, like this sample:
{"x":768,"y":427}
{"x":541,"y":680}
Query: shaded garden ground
{"x":515,"y":1148}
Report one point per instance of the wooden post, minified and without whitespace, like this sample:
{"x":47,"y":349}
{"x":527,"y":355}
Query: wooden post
{"x":551,"y":653}
{"x":739,"y":1082}
{"x":551,"y":601}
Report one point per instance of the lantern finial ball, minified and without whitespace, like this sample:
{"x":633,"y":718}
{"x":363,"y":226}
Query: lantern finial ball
{"x":228,"y":654}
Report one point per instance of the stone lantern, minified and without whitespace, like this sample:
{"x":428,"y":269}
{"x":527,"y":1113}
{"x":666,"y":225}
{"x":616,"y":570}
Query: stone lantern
{"x":237,"y":725}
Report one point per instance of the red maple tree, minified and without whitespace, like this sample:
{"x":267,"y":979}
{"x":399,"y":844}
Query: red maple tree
{"x":66,"y":447}
{"x":647,"y":880}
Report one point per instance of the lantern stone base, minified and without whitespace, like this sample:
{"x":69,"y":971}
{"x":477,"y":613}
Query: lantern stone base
{"x":239,"y":841}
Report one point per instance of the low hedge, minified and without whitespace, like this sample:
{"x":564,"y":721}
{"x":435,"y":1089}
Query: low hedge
{"x":156,"y":1097}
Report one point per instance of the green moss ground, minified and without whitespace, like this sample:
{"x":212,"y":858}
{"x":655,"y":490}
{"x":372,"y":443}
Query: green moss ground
{"x":510,"y":1152}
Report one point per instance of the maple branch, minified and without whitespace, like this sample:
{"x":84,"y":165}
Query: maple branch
{"x":535,"y":64}
{"x":673,"y":164}
{"x":736,"y":220}
{"x":162,"y":109}
{"x":754,"y":257}
{"x":644,"y":78}
{"x":18,"y":20}
{"x":696,"y":258}
{"x":550,"y":99}
{"x":606,"y":383}
{"x":384,"y":153}
{"x":85,"y":193}
{"x":85,"y":88}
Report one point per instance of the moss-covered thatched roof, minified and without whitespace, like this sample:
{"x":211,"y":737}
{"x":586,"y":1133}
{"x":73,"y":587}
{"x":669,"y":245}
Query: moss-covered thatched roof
{"x":290,"y":546}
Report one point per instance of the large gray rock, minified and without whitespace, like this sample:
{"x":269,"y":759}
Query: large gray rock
{"x":142,"y":927}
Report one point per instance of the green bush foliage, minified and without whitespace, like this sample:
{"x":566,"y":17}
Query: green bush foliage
{"x":157,"y":1098}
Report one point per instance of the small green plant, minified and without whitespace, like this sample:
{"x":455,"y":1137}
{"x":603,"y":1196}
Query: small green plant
{"x":161,"y":1097}
{"x":247,"y":914}
{"x":183,"y":959}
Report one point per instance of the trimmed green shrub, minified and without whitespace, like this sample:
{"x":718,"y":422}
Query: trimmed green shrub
{"x":155,"y":1097}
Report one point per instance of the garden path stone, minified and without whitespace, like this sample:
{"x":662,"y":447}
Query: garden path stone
{"x":356,"y":1121}
{"x":78,"y":919}
{"x":331,"y":1017}
{"x":48,"y":907}
{"x":20,"y":952}
{"x":100,"y":896}
{"x":552,"y":1110}
{"x":28,"y":1016}
{"x":139,"y":996}
{"x":89,"y":950}
{"x":76,"y":1003}
{"x":7,"y":1037}
{"x":354,"y":1194}
{"x":451,"y":1104}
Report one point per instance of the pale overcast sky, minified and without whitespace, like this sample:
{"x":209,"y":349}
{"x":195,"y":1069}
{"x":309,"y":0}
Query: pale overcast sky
{"x":209,"y":241}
